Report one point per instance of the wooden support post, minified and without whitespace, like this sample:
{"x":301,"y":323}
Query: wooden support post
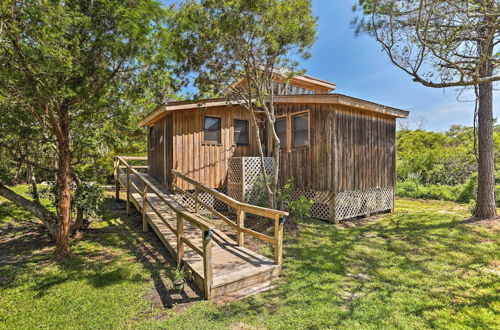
{"x":145,"y":208}
{"x":207,"y":264}
{"x":180,"y":234}
{"x":278,"y":236}
{"x":196,"y":203}
{"x":117,"y":179}
{"x":128,"y":190}
{"x":331,"y":209}
{"x":240,"y":221}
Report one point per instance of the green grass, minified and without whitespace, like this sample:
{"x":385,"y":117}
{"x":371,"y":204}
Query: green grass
{"x":419,"y":267}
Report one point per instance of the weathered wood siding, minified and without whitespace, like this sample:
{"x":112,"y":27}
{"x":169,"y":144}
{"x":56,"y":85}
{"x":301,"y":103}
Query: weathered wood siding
{"x":207,"y":162}
{"x":156,"y":154}
{"x":348,"y":150}
{"x":366,"y":155}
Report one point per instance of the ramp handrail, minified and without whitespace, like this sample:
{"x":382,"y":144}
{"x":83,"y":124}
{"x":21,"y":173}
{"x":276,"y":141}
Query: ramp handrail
{"x":122,"y":167}
{"x":241,"y":209}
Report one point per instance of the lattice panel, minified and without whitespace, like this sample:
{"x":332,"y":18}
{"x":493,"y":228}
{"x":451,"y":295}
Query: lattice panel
{"x":188,"y":203}
{"x":251,"y":174}
{"x":350,"y":204}
{"x":243,"y":174}
{"x":321,"y":199}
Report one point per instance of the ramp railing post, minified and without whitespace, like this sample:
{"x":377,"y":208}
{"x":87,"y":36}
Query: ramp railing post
{"x":117,"y":178}
{"x":278,"y":236}
{"x":240,"y":221}
{"x":128,"y":190}
{"x":207,"y":263}
{"x":144,"y":207}
{"x":180,"y":234}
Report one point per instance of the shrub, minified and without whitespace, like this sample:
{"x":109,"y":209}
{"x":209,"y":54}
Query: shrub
{"x":300,"y":209}
{"x":469,"y":191}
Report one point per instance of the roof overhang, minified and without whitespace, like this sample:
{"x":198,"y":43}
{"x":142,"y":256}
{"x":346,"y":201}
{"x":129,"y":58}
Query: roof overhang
{"x":356,"y":103}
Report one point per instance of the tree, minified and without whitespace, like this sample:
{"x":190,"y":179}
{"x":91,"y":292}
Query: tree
{"x":67,"y":67}
{"x":446,"y":43}
{"x":237,"y":48}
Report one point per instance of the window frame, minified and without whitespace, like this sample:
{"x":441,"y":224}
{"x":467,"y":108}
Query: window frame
{"x":248,"y":132}
{"x":292,"y":131}
{"x":151,"y":139}
{"x":284,"y":117}
{"x":204,"y":141}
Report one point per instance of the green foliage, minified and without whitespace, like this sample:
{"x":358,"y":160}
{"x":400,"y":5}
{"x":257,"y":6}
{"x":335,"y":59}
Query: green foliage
{"x":300,"y":208}
{"x":469,"y":190}
{"x":179,"y":273}
{"x":259,"y":195}
{"x":225,"y":40}
{"x":436,"y":158}
{"x":414,"y":189}
{"x":86,"y":196}
{"x":104,"y":64}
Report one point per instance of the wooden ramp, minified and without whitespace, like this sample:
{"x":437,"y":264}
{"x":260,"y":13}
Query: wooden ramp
{"x":218,"y":264}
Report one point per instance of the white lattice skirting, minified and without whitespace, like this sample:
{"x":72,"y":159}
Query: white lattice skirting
{"x":351,"y":204}
{"x":244,"y":173}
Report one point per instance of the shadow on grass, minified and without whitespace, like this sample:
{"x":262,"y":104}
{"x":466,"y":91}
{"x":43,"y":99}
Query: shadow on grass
{"x":419,"y":262}
{"x":100,"y":257}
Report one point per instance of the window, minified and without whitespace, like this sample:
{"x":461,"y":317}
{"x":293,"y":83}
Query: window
{"x":300,"y":130}
{"x":240,"y":131}
{"x":280,"y":126}
{"x":211,"y":130}
{"x":151,"y":138}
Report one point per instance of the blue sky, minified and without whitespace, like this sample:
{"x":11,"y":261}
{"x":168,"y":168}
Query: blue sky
{"x":360,"y":69}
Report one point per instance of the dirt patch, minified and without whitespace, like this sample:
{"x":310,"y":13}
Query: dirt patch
{"x":20,"y":242}
{"x":493,"y":223}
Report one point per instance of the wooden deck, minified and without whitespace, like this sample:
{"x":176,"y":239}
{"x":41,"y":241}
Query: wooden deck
{"x":230,"y":267}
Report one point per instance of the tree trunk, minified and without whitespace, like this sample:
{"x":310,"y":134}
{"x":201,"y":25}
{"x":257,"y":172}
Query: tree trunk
{"x":486,"y":201}
{"x":78,"y":222}
{"x":64,"y":183}
{"x":48,"y":218}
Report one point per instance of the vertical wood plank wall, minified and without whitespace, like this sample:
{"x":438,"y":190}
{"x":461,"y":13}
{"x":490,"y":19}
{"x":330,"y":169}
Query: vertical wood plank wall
{"x":366,"y":155}
{"x":207,"y":162}
{"x":349,"y":150}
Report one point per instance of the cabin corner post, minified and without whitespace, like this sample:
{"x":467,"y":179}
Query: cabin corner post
{"x":207,"y":263}
{"x":145,"y":208}
{"x":278,"y":237}
{"x":128,"y":190}
{"x":240,"y":220}
{"x":117,"y":178}
{"x":180,"y":236}
{"x":331,"y":209}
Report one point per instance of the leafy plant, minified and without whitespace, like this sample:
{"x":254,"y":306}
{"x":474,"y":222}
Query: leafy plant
{"x":299,"y":208}
{"x":179,"y":273}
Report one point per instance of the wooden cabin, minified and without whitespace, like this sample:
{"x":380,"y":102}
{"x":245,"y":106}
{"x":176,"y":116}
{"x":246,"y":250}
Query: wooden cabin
{"x":339,"y":150}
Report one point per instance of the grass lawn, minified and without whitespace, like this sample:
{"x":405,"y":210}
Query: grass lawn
{"x":419,"y":267}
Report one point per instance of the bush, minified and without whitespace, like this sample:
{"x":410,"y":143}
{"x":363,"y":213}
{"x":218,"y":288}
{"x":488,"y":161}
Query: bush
{"x":460,"y":193}
{"x":469,"y":192}
{"x":413,"y":189}
{"x":299,"y":208}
